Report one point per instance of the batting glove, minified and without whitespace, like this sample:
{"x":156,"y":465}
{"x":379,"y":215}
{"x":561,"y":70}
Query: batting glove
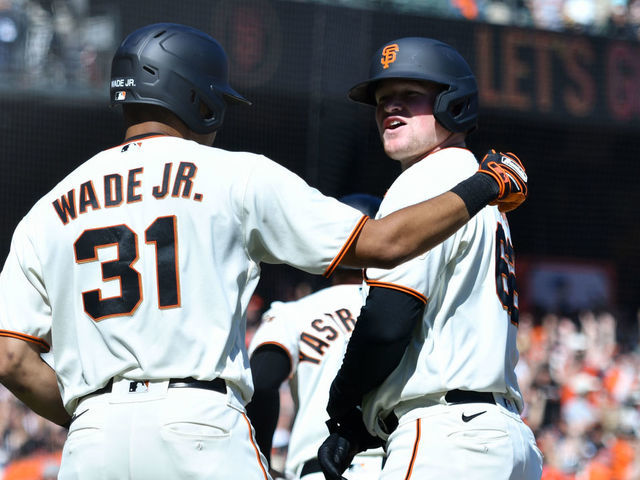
{"x":348,"y":437}
{"x":509,"y":173}
{"x":335,"y":455}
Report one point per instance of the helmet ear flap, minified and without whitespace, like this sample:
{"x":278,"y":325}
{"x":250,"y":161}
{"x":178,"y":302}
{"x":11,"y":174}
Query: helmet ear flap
{"x":211,"y":108}
{"x":455,"y":112}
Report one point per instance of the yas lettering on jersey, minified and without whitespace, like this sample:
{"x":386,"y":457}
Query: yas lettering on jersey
{"x":323,"y":332}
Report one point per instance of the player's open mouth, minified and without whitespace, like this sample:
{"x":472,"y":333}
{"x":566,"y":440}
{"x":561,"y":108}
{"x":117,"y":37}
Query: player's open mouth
{"x":392,"y":123}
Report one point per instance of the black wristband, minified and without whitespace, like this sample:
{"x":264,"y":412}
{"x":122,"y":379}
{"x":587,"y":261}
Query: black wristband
{"x":476,"y":192}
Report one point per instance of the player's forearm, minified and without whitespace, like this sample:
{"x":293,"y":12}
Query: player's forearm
{"x":263,"y":411}
{"x":31,"y":380}
{"x":411,"y":231}
{"x":407,"y":233}
{"x":270,"y":366}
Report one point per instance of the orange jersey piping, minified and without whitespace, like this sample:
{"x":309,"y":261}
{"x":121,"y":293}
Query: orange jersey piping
{"x":336,"y":261}
{"x":44,"y":346}
{"x":393,"y":286}
{"x":255,"y":447}
{"x":414,"y":453}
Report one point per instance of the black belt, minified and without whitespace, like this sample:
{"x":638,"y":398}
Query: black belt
{"x":310,"y":466}
{"x":469,"y":396}
{"x":217,"y":385}
{"x":453,"y":397}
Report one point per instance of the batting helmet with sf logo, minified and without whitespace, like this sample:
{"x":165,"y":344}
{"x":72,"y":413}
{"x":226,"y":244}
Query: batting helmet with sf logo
{"x":416,"y":58}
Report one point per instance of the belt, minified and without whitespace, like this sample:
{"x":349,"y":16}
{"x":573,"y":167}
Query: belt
{"x":468,"y":396}
{"x":310,"y":466}
{"x":217,"y":385}
{"x":452,"y":397}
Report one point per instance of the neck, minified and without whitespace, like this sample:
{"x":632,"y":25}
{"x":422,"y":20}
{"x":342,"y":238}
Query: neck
{"x":146,"y":128}
{"x":177,"y":130}
{"x":455,"y":139}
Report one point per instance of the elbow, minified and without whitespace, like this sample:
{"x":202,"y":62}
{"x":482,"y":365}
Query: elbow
{"x":11,"y":357}
{"x":391,"y":256}
{"x":8,"y":366}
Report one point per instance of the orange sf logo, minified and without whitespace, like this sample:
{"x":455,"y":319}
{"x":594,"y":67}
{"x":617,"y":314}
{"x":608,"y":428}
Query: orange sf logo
{"x":389,"y":55}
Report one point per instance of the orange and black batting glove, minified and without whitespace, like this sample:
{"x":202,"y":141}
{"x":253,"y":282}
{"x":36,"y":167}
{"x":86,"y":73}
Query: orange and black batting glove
{"x":507,"y":170}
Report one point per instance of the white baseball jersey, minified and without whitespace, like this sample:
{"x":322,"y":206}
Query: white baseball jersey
{"x":467,"y":339}
{"x":314,"y":331}
{"x":142,"y":261}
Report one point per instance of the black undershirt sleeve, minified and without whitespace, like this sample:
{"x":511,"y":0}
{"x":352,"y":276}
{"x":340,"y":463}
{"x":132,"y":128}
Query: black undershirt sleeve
{"x":270,"y":366}
{"x":383,"y":331}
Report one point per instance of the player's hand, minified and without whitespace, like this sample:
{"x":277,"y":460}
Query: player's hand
{"x":335,"y":455}
{"x":348,"y":437}
{"x":509,"y":173}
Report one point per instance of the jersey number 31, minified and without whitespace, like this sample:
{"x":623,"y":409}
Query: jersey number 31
{"x":162,"y":234}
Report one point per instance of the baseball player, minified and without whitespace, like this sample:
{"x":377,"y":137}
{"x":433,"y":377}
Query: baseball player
{"x":136,"y":270}
{"x":436,"y":384}
{"x":304,"y":341}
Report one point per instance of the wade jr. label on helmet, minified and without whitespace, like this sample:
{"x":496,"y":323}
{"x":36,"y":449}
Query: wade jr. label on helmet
{"x":123,"y":82}
{"x":389,"y":55}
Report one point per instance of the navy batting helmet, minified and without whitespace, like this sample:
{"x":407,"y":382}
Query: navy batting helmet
{"x":367,"y":204}
{"x":178,"y":68}
{"x":418,"y":58}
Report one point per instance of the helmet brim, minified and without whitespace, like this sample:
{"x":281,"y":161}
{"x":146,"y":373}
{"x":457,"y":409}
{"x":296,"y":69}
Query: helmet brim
{"x":365,"y":92}
{"x":234,"y":97}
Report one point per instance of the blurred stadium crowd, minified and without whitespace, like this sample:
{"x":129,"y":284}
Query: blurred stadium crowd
{"x":608,"y":18}
{"x":69,"y":39}
{"x":580,"y":380}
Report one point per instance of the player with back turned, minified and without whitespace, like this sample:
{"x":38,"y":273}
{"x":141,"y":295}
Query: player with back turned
{"x":429,"y":369}
{"x":136,"y":270}
{"x":304,"y":341}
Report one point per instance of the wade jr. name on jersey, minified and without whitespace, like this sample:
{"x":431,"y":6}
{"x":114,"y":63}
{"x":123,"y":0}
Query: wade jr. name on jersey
{"x":117,"y":190}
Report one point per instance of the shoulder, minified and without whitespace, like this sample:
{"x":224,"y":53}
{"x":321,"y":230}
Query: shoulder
{"x":430,"y":177}
{"x":449,"y":162}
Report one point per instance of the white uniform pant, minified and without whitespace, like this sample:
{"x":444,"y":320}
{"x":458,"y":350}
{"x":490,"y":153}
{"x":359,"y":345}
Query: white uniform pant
{"x":162,"y":433}
{"x":437,"y":442}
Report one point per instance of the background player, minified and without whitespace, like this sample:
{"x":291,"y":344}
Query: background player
{"x":437,"y":383}
{"x":137,"y":268}
{"x":305,"y":340}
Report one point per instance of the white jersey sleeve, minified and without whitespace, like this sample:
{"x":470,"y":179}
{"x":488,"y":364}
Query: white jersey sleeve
{"x":288,"y":221}
{"x":281,"y":327}
{"x":143,"y":260}
{"x":22,"y":288}
{"x":467,"y":337}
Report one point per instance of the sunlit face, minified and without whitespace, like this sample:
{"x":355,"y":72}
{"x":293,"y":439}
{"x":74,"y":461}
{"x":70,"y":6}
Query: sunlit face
{"x":404,"y":115}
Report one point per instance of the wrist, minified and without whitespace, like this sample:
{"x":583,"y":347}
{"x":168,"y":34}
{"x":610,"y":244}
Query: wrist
{"x":476,"y":192}
{"x":342,"y":401}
